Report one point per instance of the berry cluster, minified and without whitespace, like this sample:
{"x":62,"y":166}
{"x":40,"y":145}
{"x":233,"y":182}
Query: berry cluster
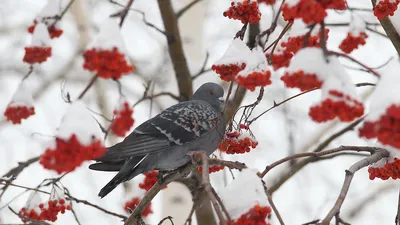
{"x":389,"y":170}
{"x":385,"y":8}
{"x":291,"y":46}
{"x":267,"y":2}
{"x":131,"y":205}
{"x":107,"y":64}
{"x":150,"y":179}
{"x":300,"y":79}
{"x":15,"y":113}
{"x":352,"y":42}
{"x":254,"y":79}
{"x":36,"y":54}
{"x":334,"y":4}
{"x":245,"y":11}
{"x":228,"y":72}
{"x":237,"y":143}
{"x":279,"y":60}
{"x":69,"y":154}
{"x":212,"y":169}
{"x":53,"y":30}
{"x":386,"y":129}
{"x":309,"y":11}
{"x":338,"y":105}
{"x":255,"y":216}
{"x":47,"y":211}
{"x":123,"y":120}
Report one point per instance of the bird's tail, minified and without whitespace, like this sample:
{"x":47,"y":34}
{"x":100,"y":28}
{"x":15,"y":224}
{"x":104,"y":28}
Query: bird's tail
{"x":128,"y":171}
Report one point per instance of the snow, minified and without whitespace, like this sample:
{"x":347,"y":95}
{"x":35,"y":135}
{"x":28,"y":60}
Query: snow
{"x":292,"y":3}
{"x":237,"y":53}
{"x":40,"y":36}
{"x":109,"y":37}
{"x":22,"y":96}
{"x":237,"y":201}
{"x":257,"y":62}
{"x":33,"y":201}
{"x":241,"y":1}
{"x":51,"y":9}
{"x":357,"y":25}
{"x":386,"y":91}
{"x":331,"y":73}
{"x":77,"y":120}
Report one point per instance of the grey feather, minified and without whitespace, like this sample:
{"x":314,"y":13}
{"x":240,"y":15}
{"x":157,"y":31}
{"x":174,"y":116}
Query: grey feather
{"x":162,"y":142}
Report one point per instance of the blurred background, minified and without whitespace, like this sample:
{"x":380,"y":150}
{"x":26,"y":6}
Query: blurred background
{"x":285,"y":130}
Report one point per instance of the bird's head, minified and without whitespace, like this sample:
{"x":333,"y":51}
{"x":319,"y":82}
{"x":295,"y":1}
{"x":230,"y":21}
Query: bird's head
{"x":212,"y":93}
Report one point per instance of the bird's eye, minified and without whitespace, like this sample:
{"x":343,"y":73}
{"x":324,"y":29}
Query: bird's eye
{"x":211,"y":92}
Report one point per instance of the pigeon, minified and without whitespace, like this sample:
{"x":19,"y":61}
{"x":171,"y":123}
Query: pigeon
{"x":165,"y":141}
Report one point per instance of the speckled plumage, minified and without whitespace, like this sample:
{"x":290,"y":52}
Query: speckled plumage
{"x":162,"y":142}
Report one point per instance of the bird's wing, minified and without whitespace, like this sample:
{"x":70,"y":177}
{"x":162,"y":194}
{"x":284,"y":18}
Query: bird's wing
{"x":177,"y":125}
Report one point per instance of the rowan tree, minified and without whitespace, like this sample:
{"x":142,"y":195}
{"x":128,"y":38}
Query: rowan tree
{"x":312,"y":88}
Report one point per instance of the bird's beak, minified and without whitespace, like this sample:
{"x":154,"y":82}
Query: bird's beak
{"x":221,"y":99}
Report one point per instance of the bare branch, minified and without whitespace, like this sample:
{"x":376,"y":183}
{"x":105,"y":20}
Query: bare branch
{"x":390,"y":31}
{"x":166,"y":218}
{"x":273,"y":206}
{"x":301,"y":164}
{"x":378,"y":154}
{"x":175,"y":49}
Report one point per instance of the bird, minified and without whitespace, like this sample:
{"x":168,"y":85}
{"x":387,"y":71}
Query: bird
{"x":164,"y":142}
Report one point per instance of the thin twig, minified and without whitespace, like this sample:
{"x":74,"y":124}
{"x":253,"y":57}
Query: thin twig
{"x":166,"y":218}
{"x":317,"y":154}
{"x":208,"y":188}
{"x":271,"y":202}
{"x":378,"y":154}
{"x":90,"y":84}
{"x":186,"y":8}
{"x":301,"y":164}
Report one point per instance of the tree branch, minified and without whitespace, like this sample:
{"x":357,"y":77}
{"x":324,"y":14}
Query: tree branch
{"x":299,"y":165}
{"x":390,"y":31}
{"x":378,"y":154}
{"x":175,"y":49}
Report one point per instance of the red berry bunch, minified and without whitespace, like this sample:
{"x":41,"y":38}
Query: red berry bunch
{"x":385,"y":8}
{"x":310,"y":11}
{"x":338,"y":105}
{"x":280,"y":59}
{"x":228,"y":72}
{"x":245,"y":11}
{"x":237,"y":143}
{"x":53,"y":30}
{"x":267,"y":2}
{"x":291,"y":46}
{"x":69,"y":154}
{"x":334,"y":4}
{"x":352,"y":42}
{"x":36,"y":54}
{"x":255,"y":216}
{"x":254,"y":79}
{"x":389,"y":170}
{"x":302,"y":80}
{"x":47,"y":211}
{"x":131,"y":205}
{"x":212,"y":169}
{"x":15,"y":113}
{"x":386,"y":129}
{"x":123,"y":120}
{"x":149,"y":180}
{"x":108,"y":64}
